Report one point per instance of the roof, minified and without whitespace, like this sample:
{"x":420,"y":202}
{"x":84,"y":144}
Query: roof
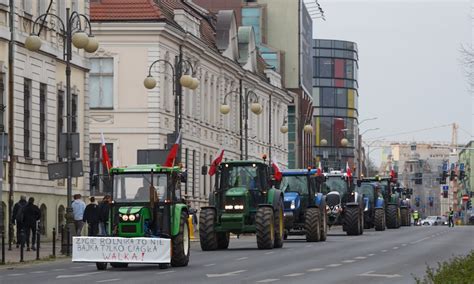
{"x":125,"y":10}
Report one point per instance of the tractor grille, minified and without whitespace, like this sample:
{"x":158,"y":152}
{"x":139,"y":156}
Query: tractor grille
{"x":234,"y":201}
{"x":129,"y":228}
{"x":333,"y":199}
{"x":287,"y":204}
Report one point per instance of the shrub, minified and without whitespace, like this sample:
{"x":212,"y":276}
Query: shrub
{"x":458,"y":270}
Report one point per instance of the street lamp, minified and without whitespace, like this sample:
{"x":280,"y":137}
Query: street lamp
{"x":368,"y":153}
{"x":180,"y":70}
{"x":74,"y":32}
{"x":255,"y":107}
{"x":367,"y":119}
{"x":307,"y":128}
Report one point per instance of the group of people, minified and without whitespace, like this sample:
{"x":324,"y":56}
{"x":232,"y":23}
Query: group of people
{"x":26,"y":216}
{"x":95,"y":215}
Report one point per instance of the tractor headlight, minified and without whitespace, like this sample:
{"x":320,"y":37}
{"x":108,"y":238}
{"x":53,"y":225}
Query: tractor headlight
{"x":292,"y":205}
{"x":229,"y":207}
{"x":125,"y":217}
{"x":239,"y":207}
{"x":131,"y":218}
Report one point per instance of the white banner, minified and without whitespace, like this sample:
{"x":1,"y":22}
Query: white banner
{"x":127,"y":250}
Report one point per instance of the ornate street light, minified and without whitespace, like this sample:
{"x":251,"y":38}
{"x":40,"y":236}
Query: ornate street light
{"x":344,"y":142}
{"x":73,"y":32}
{"x":323,"y":142}
{"x":180,"y":70}
{"x":307,"y":128}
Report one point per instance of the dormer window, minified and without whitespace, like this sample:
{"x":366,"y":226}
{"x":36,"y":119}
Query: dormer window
{"x":188,"y":22}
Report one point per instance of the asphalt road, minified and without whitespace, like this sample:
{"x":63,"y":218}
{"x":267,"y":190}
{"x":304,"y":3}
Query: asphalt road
{"x":393,"y":256}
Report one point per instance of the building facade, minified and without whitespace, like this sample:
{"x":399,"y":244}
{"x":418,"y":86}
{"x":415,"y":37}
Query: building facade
{"x":225,"y":63}
{"x":335,"y":96}
{"x":33,"y":109}
{"x":466,"y":157}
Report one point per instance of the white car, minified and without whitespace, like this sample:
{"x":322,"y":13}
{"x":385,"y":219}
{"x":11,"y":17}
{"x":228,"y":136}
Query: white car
{"x":434,"y":221}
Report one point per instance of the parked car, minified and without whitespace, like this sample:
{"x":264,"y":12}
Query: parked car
{"x":434,"y":221}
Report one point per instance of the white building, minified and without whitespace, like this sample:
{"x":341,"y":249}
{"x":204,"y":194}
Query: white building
{"x":225,"y":59}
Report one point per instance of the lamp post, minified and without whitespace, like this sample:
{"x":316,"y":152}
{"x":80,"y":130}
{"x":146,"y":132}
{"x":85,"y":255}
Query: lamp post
{"x":180,"y":70}
{"x":255,"y":107}
{"x":359,"y":146}
{"x":367,"y":119}
{"x":368,"y":153}
{"x":73,"y":33}
{"x":307,"y":128}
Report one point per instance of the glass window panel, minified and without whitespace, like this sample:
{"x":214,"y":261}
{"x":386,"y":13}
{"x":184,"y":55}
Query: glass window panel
{"x":94,"y":89}
{"x":326,"y":67}
{"x":107,"y":92}
{"x":328,"y":97}
{"x":339,"y":68}
{"x":325,"y":43}
{"x":339,"y":44}
{"x":326,"y":82}
{"x":328,"y":111}
{"x":107,"y":65}
{"x":341,"y":98}
{"x":95,"y":65}
{"x":350,"y":98}
{"x":349,"y":69}
{"x":339,"y":53}
{"x":316,"y":97}
{"x":326,"y":129}
{"x":325,"y":52}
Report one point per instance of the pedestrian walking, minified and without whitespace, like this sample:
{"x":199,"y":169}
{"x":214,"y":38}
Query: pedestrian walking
{"x":104,"y":209}
{"x":17,"y":218}
{"x":31,"y":216}
{"x":451,"y":217}
{"x":78,"y":207}
{"x":91,"y":217}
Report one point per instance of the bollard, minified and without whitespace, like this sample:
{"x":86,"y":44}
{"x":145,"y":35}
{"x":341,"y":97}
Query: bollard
{"x":38,"y":234}
{"x":68,"y":242}
{"x":3,"y":247}
{"x":22,"y":244}
{"x":54,"y":242}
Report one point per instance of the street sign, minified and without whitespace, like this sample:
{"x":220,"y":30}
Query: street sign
{"x":461,"y":167}
{"x":59,"y":170}
{"x":63,"y":145}
{"x":465,"y":197}
{"x":445,"y":167}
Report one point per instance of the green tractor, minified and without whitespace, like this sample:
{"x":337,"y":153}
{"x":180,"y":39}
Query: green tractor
{"x":148,"y":222}
{"x":244,"y":200}
{"x":393,"y":216}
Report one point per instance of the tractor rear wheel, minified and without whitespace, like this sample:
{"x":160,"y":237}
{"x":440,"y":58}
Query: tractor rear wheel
{"x":362,"y":221}
{"x":352,"y":220}
{"x":312,"y":224}
{"x":279,"y":225}
{"x":207,"y":233}
{"x":392,"y":216}
{"x":180,"y":244}
{"x":404,"y":217}
{"x":101,"y":265}
{"x":264,"y":225}
{"x":367,"y":224}
{"x":223,"y":240}
{"x":119,"y":265}
{"x":379,"y":219}
{"x":324,"y":222}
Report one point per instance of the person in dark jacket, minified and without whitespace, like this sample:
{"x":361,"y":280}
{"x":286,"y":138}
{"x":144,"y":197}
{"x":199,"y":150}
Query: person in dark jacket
{"x":17,"y":218}
{"x":91,"y":216}
{"x":104,"y":208}
{"x":31,"y":217}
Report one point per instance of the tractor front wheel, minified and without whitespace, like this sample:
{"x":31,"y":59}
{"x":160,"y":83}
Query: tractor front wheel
{"x":207,"y":234}
{"x":279,"y":225}
{"x":312,"y":225}
{"x":405,"y":217}
{"x":379,"y":219}
{"x":392,"y":216}
{"x":324,"y":222}
{"x":101,"y":265}
{"x":119,"y":265}
{"x":223,"y":240}
{"x":264,"y":225}
{"x":352,"y":220}
{"x":181,"y":243}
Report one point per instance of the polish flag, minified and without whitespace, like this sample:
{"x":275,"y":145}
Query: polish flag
{"x":319,"y":170}
{"x":105,"y":155}
{"x":276,"y":169}
{"x":348,"y":170}
{"x":173,"y":152}
{"x":216,"y":163}
{"x":392,"y":174}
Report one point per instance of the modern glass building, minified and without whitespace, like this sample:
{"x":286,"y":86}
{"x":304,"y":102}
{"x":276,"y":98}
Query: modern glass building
{"x":335,"y":100}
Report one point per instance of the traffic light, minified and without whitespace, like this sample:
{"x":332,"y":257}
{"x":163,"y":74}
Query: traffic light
{"x":462,"y":173}
{"x":445,"y":194}
{"x":452,"y":176}
{"x":469,"y":204}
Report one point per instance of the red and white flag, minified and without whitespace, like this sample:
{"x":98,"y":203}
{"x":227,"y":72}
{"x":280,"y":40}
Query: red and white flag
{"x":105,"y":155}
{"x":276,"y":171}
{"x":173,"y":152}
{"x":216,"y":163}
{"x":319,"y":170}
{"x":393,"y":175}
{"x":348,"y":170}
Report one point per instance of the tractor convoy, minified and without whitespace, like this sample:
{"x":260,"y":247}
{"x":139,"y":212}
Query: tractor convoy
{"x":148,"y":219}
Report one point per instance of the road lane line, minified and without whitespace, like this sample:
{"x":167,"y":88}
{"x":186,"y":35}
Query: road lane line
{"x":210,"y":264}
{"x":308,"y":246}
{"x":294,"y":274}
{"x":349,"y":261}
{"x":16,"y":274}
{"x":37,"y":272}
{"x":333,"y":265}
{"x":371,"y":254}
{"x":420,"y":240}
{"x":404,"y":245}
{"x":395,"y":248}
{"x":78,"y":275}
{"x":384,"y":250}
{"x":242,"y":258}
{"x":165,"y":272}
{"x":270,"y":252}
{"x":267,"y":280}
{"x":233,"y":273}
{"x":372,"y":274}
{"x":315,"y":269}
{"x":107,"y":280}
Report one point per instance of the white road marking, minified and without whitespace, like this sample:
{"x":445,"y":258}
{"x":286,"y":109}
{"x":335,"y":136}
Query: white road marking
{"x":360,"y":257}
{"x":233,"y":273}
{"x":210,"y":264}
{"x":76,"y":267}
{"x":315,"y":269}
{"x":308,"y":246}
{"x":61,"y":269}
{"x":108,"y":280}
{"x":404,"y":245}
{"x":242,"y":258}
{"x":294,"y":274}
{"x":370,"y":273}
{"x":270,"y":252}
{"x":333,"y":265}
{"x":267,"y":280}
{"x":395,"y":248}
{"x":165,"y":272}
{"x":78,"y":275}
{"x":384,"y":250}
{"x":349,"y":261}
{"x":16,"y":274}
{"x":372,"y":254}
{"x":38,"y":272}
{"x":420,"y":240}
{"x":91,"y":265}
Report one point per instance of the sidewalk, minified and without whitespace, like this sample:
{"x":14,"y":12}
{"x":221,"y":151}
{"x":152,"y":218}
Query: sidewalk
{"x":46,"y":251}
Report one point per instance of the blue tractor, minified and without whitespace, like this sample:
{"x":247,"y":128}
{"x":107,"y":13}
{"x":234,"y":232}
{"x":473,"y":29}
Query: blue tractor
{"x":305,"y":206}
{"x":374,"y":204}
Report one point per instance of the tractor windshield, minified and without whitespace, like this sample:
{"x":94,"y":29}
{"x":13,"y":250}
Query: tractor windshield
{"x":336,"y":183}
{"x":295,"y":184}
{"x":136,"y":187}
{"x":240,"y":176}
{"x":366,"y":190}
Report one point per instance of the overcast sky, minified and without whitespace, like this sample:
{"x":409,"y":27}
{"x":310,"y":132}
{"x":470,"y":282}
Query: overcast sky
{"x":410,"y":71}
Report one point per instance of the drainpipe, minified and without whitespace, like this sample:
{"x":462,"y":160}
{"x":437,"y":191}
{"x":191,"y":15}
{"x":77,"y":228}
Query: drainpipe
{"x":11,"y":167}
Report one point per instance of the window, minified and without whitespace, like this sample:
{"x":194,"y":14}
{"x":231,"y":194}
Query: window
{"x":100,"y":181}
{"x":327,"y":97}
{"x":43,"y":99}
{"x":2,"y":102}
{"x":101,"y":83}
{"x":26,"y":117}
{"x":61,"y":10}
{"x":27,"y":7}
{"x":60,"y":117}
{"x":42,"y":6}
{"x":74,"y":113}
{"x":325,"y":67}
{"x":341,"y":98}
